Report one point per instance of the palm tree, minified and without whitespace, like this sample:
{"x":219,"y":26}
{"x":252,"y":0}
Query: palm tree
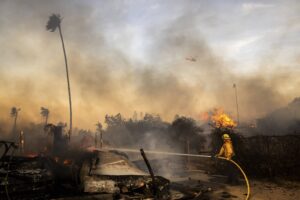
{"x":99,"y":130}
{"x":54,"y":23}
{"x":45,"y":113}
{"x":14,"y":114}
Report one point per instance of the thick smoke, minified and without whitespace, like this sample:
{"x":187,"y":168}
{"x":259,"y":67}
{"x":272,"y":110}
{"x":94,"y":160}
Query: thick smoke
{"x":107,"y":78}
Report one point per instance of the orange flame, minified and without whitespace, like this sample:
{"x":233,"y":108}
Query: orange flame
{"x":67,"y":162}
{"x":222,"y":120}
{"x":31,"y":155}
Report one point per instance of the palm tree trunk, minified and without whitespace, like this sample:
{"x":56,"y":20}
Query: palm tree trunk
{"x":69,"y":88}
{"x":14,"y":128}
{"x":15,"y":124}
{"x":101,"y":139}
{"x":46,"y":120}
{"x":96,"y":140}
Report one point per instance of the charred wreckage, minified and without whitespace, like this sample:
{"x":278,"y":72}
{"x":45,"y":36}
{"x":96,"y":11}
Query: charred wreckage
{"x":66,"y":173}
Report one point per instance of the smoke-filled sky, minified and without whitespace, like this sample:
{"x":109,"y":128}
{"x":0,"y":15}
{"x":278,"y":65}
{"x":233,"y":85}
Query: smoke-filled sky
{"x":127,"y":56}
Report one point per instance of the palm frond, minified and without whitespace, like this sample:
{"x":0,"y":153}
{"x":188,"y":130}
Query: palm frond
{"x":14,"y":111}
{"x":54,"y":22}
{"x":44,"y":111}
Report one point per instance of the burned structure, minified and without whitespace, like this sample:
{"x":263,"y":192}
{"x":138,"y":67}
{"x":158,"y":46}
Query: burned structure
{"x":69,"y":173}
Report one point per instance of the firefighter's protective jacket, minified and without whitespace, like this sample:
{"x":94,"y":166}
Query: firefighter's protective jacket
{"x":227,"y":150}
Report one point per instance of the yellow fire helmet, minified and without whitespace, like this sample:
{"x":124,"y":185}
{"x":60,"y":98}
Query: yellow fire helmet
{"x":226,"y":137}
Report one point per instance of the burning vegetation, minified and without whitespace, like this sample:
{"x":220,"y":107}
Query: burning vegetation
{"x":220,"y":119}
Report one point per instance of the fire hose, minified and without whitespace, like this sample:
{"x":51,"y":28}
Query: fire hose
{"x":189,"y":155}
{"x":244,"y":174}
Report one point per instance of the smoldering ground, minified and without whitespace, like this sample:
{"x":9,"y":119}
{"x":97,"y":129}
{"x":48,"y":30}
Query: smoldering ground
{"x":110,"y":75}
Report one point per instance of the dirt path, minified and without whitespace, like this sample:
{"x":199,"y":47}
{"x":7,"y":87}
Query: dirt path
{"x":260,"y":190}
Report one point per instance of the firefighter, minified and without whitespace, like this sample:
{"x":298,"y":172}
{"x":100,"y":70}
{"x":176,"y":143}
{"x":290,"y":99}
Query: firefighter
{"x":227,"y":148}
{"x":227,"y":152}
